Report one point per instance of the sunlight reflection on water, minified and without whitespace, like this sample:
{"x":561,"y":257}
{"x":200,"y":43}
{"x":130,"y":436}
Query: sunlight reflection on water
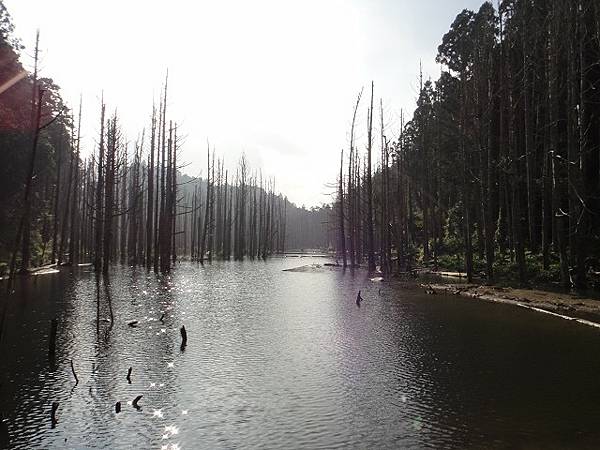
{"x":286,"y":360}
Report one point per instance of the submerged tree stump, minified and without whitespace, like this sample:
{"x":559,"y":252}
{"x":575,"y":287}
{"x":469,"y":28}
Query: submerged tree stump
{"x":52,"y":341}
{"x":358,"y":299}
{"x":183,"y":337}
{"x":74,"y":374}
{"x":2,"y":318}
{"x":53,"y":414}
{"x":136,"y":401}
{"x":4,"y":436}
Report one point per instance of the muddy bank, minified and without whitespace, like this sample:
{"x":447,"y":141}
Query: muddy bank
{"x":566,"y":306}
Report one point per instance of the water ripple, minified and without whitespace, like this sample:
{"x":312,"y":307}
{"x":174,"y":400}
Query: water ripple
{"x":285,"y":360}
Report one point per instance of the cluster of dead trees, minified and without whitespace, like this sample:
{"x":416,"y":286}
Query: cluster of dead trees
{"x":150,"y":214}
{"x":363,"y":206}
{"x":232,"y":216}
{"x":126,"y":202}
{"x":130,"y":205}
{"x":501,"y":161}
{"x":101,"y":209}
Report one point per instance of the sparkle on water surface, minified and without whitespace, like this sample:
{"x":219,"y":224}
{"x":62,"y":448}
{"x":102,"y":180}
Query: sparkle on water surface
{"x":286,"y":360}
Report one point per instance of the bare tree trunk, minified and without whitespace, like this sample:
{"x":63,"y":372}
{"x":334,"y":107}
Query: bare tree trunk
{"x":207,"y":210}
{"x":351,"y":188}
{"x":60,"y":151}
{"x":25,"y":224}
{"x":150,"y":199}
{"x":99,"y":203}
{"x":341,"y":212}
{"x":109,"y":190}
{"x":370,"y":238}
{"x":74,"y":240}
{"x":225,"y":221}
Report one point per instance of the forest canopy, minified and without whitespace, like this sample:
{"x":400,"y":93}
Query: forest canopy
{"x":497,"y":172}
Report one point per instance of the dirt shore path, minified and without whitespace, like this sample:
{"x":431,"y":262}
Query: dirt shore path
{"x":566,"y":306}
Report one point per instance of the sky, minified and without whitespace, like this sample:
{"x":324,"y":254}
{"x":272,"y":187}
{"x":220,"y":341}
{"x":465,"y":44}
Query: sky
{"x":275,"y":80}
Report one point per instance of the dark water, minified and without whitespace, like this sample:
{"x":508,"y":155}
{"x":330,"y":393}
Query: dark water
{"x":286,"y":360}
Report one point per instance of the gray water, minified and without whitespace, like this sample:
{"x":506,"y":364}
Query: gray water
{"x":286,"y":360}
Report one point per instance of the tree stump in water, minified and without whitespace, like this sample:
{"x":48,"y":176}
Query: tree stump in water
{"x":53,"y":414}
{"x":358,"y":299}
{"x":74,"y":374}
{"x":2,"y":318}
{"x":136,"y":401}
{"x":4,"y":436}
{"x":52,"y":342}
{"x":183,"y":337}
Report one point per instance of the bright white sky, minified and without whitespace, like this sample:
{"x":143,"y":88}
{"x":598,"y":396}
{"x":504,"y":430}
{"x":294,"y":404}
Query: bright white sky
{"x":274,"y":79}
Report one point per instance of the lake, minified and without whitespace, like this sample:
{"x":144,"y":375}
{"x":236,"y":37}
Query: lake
{"x":278,"y":359}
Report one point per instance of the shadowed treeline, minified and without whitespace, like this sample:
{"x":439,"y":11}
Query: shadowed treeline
{"x":498,"y":171}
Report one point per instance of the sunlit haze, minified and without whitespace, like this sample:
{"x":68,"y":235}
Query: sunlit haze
{"x":276,"y":80}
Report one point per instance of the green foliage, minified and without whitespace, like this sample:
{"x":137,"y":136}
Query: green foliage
{"x":457,"y":46}
{"x":505,"y":268}
{"x":6,"y":31}
{"x":16,"y":138}
{"x":452,"y":262}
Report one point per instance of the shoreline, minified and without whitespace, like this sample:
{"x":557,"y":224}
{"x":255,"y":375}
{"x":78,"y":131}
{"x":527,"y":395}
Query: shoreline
{"x":572,"y":307}
{"x":567,"y":306}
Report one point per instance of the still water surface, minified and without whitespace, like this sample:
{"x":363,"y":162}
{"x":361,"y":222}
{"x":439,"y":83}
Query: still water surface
{"x":286,"y":360}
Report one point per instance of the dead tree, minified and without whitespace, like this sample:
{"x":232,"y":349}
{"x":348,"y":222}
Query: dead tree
{"x":342,"y":218}
{"x":370,"y":238}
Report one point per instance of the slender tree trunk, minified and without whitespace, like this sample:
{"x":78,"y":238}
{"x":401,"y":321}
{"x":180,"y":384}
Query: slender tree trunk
{"x":99,"y":203}
{"x":370,"y":238}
